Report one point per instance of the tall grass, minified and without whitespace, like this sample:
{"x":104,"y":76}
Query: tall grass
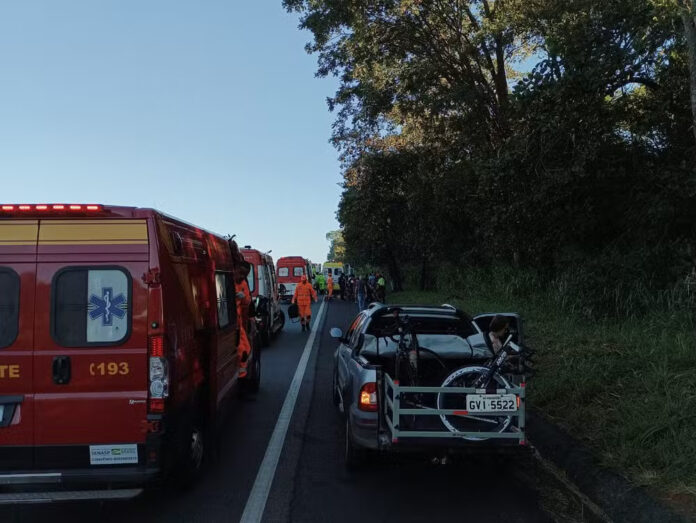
{"x":624,"y":382}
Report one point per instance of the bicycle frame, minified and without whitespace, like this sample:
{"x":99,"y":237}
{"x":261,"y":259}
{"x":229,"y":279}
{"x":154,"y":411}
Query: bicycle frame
{"x":494,"y":366}
{"x":402,"y":351}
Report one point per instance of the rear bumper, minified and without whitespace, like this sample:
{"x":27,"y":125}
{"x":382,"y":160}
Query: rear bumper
{"x":364,"y":428}
{"x":55,"y":496}
{"x":107,"y":477}
{"x":365,"y":433}
{"x":68,"y":466}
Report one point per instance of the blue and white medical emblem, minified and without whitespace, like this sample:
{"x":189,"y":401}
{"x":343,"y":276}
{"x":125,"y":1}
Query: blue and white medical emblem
{"x":107,"y":306}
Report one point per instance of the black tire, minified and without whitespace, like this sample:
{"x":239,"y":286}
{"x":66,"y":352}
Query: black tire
{"x":265,"y":334}
{"x":353,"y":456}
{"x":252,"y":382}
{"x":336,"y":396}
{"x":281,"y":316}
{"x":192,"y":454}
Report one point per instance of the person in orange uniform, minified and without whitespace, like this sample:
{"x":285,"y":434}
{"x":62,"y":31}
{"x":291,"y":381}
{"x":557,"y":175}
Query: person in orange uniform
{"x":329,"y":286}
{"x":243,"y":299}
{"x":304,"y":294}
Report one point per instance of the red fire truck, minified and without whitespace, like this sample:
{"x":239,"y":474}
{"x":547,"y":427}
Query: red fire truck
{"x":118,"y":347}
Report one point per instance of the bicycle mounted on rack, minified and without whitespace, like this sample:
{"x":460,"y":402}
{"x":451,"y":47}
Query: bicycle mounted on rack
{"x":474,"y":403}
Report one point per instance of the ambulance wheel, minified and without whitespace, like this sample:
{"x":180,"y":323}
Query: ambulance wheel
{"x":255,"y":382}
{"x":193,"y":455}
{"x":281,"y":320}
{"x":266,"y":334}
{"x":252,"y":382}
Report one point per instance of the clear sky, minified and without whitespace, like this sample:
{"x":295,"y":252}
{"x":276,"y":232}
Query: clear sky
{"x":207,"y":110}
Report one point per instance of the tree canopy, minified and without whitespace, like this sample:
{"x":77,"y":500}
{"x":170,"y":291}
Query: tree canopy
{"x":534,"y":133}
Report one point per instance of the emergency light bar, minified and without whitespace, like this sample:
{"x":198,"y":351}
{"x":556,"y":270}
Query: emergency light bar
{"x":50,"y":208}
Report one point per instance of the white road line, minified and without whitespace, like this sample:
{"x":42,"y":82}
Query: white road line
{"x":256,"y":503}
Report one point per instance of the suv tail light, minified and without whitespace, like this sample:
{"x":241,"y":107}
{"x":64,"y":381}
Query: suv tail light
{"x":368,"y":397}
{"x":158,"y":374}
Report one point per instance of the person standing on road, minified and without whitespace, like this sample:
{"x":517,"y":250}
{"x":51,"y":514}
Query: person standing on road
{"x":360,"y":286}
{"x":243,"y":299}
{"x":321,"y":282}
{"x":329,"y":286}
{"x":342,"y":286}
{"x":304,"y":294}
{"x":381,"y":289}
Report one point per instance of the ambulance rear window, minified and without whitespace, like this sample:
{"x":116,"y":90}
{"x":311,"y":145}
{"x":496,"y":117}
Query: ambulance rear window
{"x":226,"y":307}
{"x":9,"y":306}
{"x":251,"y":278}
{"x":298,"y":271}
{"x":283,"y":271}
{"x":91,"y":306}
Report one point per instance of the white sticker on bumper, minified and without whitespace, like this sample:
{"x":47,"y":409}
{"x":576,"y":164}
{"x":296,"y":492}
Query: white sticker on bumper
{"x":113,"y":454}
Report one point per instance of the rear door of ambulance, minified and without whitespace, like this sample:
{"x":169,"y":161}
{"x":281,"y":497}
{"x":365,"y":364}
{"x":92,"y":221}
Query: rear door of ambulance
{"x":17,"y":286}
{"x":90,"y":357}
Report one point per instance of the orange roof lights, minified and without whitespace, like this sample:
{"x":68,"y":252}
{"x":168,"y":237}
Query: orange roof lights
{"x":50,"y":208}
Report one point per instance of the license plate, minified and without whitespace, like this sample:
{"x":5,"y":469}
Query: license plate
{"x":491,"y":402}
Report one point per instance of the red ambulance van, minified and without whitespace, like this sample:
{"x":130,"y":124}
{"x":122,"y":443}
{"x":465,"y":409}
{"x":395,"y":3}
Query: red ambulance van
{"x":290,"y":269}
{"x":118,"y":346}
{"x":264,"y":289}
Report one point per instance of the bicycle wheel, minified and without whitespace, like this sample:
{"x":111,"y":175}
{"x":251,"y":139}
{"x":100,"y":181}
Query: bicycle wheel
{"x":465,"y":377}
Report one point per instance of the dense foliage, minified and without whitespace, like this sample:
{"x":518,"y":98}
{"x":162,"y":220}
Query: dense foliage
{"x":550,"y":135}
{"x":337,"y":247}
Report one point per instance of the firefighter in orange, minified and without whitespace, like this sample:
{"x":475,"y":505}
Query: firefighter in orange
{"x":243,"y":299}
{"x":329,"y":285}
{"x":304,"y":294}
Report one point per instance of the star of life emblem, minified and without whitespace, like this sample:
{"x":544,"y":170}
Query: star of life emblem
{"x":107,"y":306}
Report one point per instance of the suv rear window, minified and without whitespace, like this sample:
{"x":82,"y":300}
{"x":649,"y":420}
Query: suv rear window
{"x":91,"y":306}
{"x":9,"y":307}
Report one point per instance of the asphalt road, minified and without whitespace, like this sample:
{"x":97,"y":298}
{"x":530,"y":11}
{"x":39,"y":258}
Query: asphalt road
{"x":310,"y":483}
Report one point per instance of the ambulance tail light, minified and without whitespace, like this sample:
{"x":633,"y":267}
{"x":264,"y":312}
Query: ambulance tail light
{"x":158,"y":374}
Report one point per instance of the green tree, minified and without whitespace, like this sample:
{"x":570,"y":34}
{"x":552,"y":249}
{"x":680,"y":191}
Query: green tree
{"x":337,"y":246}
{"x":451,"y":154}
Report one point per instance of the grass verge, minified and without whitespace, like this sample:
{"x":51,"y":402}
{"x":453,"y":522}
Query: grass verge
{"x":627,"y":388}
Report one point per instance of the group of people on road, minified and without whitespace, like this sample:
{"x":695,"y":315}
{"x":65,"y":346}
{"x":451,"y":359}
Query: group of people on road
{"x":361,"y":290}
{"x":370,"y":288}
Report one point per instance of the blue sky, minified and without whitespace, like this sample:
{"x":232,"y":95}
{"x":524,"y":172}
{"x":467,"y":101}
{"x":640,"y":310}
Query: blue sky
{"x":208,"y":111}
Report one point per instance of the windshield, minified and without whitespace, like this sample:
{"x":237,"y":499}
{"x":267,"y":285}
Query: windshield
{"x":386,"y":325}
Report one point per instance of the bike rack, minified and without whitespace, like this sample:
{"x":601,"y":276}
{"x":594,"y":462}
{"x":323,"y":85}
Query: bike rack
{"x":392,"y":389}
